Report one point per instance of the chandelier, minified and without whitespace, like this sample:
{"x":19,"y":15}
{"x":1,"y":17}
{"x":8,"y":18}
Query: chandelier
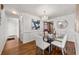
{"x":44,"y":17}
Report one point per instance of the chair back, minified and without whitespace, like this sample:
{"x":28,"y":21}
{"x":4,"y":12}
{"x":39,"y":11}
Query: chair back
{"x":39,"y":41}
{"x":64,"y":40}
{"x":45,"y":33}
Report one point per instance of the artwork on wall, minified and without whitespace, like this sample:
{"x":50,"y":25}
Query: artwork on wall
{"x":35,"y":24}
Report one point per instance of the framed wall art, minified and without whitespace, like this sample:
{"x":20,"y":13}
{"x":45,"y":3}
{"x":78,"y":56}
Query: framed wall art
{"x":35,"y":24}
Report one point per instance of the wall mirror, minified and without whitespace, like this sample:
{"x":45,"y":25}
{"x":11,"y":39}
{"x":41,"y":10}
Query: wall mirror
{"x":62,"y":24}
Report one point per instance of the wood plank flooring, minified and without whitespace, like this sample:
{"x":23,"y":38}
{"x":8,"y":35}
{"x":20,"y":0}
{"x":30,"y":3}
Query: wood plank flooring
{"x":13,"y":47}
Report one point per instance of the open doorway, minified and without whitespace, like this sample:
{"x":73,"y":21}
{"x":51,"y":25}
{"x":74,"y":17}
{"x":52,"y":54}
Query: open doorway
{"x":13,"y":28}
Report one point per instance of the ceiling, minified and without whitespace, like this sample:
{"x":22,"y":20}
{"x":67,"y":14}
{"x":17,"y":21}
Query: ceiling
{"x":52,"y":10}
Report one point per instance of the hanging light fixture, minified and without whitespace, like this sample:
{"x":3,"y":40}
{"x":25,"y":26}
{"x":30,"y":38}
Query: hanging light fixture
{"x":44,"y":17}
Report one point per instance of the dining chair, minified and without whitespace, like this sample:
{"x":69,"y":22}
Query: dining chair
{"x":46,"y":34}
{"x":41,"y":43}
{"x":60,"y":42}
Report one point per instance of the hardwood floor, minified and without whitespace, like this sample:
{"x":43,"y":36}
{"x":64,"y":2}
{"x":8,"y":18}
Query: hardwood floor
{"x":13,"y":47}
{"x":17,"y":48}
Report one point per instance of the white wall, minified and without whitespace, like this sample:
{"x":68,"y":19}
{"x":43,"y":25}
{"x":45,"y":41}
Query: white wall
{"x":27,"y":33}
{"x":3,"y":36}
{"x":70,"y":30}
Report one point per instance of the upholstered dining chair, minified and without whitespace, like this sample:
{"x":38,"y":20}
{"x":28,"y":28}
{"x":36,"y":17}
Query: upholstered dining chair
{"x":41,"y":43}
{"x":60,"y":42}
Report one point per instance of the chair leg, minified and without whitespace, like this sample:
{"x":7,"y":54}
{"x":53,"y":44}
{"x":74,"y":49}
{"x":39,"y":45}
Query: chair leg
{"x":63,"y":51}
{"x":49,"y":49}
{"x":43,"y":52}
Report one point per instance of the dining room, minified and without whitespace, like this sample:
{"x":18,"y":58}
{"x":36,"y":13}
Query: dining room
{"x":48,"y":30}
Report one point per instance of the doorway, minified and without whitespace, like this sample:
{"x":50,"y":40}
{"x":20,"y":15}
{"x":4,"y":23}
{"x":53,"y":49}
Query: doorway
{"x":13,"y":28}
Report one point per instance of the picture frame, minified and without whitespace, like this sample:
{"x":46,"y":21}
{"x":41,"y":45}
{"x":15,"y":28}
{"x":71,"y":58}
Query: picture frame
{"x":35,"y":24}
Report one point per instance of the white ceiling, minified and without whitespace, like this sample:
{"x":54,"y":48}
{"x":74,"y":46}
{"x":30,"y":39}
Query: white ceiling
{"x":52,"y":10}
